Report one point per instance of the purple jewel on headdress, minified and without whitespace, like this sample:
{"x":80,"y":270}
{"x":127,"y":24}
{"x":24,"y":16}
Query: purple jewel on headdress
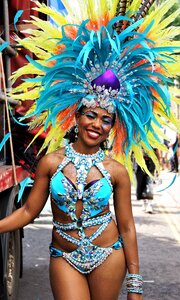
{"x":108,"y":79}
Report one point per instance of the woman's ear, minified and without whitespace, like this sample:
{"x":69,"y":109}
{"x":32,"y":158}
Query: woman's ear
{"x":77,"y":115}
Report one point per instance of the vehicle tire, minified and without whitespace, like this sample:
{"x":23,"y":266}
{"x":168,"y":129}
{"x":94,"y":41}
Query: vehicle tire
{"x":13,"y":267}
{"x":11,"y":249}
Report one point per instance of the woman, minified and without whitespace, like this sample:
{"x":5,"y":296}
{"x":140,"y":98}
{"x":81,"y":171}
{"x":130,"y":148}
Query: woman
{"x":102,"y":80}
{"x":68,"y":279}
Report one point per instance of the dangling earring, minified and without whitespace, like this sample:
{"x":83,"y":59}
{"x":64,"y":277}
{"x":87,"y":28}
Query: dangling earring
{"x":76,"y":130}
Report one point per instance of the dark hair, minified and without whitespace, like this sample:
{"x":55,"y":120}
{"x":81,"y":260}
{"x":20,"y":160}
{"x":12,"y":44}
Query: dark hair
{"x":70,"y":135}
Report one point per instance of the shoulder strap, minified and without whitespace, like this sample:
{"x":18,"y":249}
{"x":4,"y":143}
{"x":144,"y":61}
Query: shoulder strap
{"x":64,"y":163}
{"x":105,"y":173}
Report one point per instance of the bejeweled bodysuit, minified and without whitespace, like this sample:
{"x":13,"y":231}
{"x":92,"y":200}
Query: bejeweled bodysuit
{"x":95,"y":198}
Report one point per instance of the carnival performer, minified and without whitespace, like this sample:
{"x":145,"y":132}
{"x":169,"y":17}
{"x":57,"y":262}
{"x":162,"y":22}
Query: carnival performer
{"x":99,"y":90}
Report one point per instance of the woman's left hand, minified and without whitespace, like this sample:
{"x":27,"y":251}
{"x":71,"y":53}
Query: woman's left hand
{"x":134,"y":296}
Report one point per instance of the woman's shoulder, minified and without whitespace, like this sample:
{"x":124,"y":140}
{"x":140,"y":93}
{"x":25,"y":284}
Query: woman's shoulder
{"x":53,"y":158}
{"x":114,"y":163}
{"x":115,"y":168}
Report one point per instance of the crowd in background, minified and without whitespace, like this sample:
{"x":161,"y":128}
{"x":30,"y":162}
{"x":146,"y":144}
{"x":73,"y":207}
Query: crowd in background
{"x":169,"y":162}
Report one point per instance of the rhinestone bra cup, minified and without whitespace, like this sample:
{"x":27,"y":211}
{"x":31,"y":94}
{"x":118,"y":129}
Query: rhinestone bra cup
{"x":95,"y":198}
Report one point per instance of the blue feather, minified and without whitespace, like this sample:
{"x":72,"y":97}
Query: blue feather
{"x":3,"y":46}
{"x":36,"y":64}
{"x":16,"y":18}
{"x":169,"y":185}
{"x":23,"y":184}
{"x":4,"y":140}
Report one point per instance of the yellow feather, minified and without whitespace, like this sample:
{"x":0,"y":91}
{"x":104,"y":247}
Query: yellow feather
{"x":25,"y":70}
{"x":35,"y":137}
{"x":154,"y":143}
{"x":81,"y":12}
{"x":133,"y":7}
{"x":129,"y":167}
{"x":29,"y":44}
{"x":173,"y":69}
{"x":138,"y":155}
{"x":56,"y":16}
{"x":171,"y":118}
{"x":55,"y":142}
{"x":152,"y":155}
{"x":174,"y":91}
{"x":41,"y":39}
{"x":44,"y":146}
{"x":51,"y":134}
{"x":112,"y":9}
{"x":158,"y":13}
{"x":24,"y":86}
{"x":29,"y":95}
{"x":46,"y":26}
{"x":52,"y":140}
{"x":169,"y":19}
{"x":39,"y":120}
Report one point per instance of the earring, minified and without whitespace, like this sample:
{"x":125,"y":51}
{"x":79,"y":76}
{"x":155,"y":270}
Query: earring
{"x":76,"y":130}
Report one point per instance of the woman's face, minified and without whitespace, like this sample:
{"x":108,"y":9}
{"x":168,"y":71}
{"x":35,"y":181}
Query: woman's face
{"x":94,"y":125}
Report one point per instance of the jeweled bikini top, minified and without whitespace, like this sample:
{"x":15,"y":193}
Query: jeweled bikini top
{"x":83,"y":163}
{"x":94,"y":195}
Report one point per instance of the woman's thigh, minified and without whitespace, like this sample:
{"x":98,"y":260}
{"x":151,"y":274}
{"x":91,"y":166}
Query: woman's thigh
{"x":106,"y":280}
{"x":66,"y":282}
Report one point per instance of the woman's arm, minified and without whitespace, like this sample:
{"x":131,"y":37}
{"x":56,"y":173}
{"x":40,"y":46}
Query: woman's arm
{"x":35,"y":202}
{"x":124,"y":217}
{"x":125,"y":223}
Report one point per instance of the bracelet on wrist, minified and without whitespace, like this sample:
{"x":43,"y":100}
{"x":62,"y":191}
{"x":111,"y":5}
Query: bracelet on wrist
{"x":134,"y":283}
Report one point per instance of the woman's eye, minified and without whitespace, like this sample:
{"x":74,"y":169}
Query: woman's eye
{"x":90,"y":115}
{"x":107,"y":121}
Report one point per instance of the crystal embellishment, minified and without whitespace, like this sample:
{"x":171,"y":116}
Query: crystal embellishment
{"x":83,"y":163}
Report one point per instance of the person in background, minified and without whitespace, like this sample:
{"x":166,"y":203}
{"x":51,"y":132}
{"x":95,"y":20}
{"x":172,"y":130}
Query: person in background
{"x":144,"y":185}
{"x":172,"y":144}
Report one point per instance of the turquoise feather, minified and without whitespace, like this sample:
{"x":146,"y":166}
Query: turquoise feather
{"x":16,"y":17}
{"x":4,"y":140}
{"x":23,"y":184}
{"x":3,"y":46}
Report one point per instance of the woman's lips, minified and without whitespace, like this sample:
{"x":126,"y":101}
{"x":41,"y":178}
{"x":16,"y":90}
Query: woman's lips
{"x":93,"y":134}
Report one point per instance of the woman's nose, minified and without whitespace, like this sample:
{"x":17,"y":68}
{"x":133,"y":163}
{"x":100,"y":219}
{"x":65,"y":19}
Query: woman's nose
{"x":97,"y":123}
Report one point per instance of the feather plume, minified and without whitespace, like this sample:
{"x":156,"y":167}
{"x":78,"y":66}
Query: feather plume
{"x":65,"y":55}
{"x":57,"y":17}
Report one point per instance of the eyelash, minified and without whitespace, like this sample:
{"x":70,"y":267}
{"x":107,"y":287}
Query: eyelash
{"x":91,"y":116}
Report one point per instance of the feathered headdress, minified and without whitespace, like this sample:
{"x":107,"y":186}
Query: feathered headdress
{"x":107,"y":52}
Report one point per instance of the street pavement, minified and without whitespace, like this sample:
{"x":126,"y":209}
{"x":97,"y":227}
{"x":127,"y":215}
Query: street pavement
{"x":158,"y":239}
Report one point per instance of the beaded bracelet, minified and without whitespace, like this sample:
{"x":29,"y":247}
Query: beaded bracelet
{"x":134,"y":283}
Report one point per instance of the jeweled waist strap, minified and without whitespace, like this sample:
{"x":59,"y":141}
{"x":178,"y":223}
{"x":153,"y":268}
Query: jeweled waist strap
{"x":83,"y":224}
